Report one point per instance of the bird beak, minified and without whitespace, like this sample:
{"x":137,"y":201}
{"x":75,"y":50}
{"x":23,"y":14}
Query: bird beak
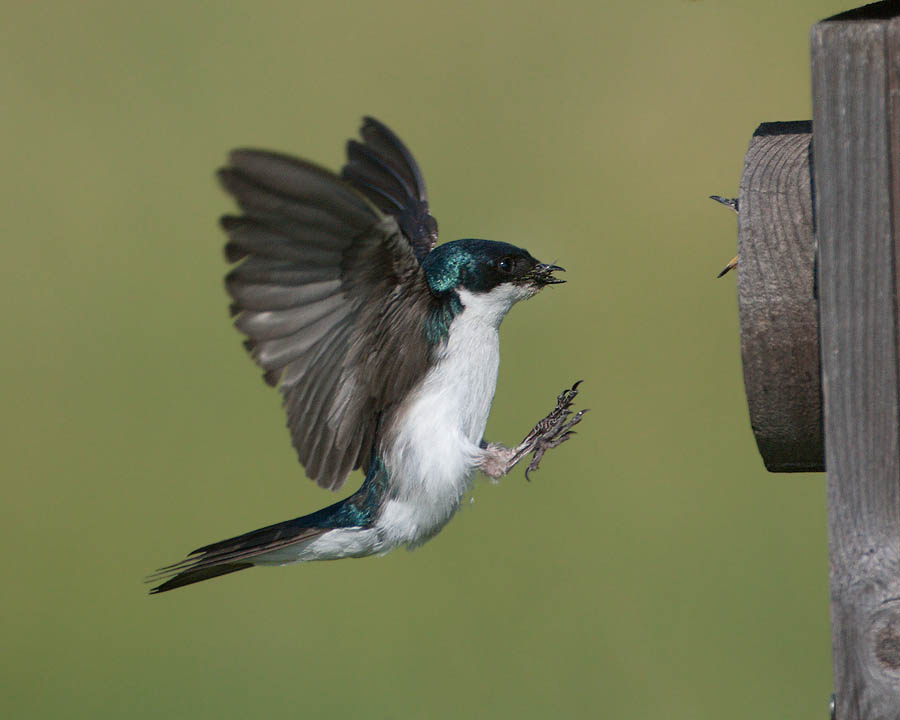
{"x":543,"y":274}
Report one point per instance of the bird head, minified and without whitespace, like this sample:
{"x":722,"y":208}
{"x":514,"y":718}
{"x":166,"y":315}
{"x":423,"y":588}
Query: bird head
{"x":487,"y":267}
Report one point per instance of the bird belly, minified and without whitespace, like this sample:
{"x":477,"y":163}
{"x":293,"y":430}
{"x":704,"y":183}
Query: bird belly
{"x":434,"y":443}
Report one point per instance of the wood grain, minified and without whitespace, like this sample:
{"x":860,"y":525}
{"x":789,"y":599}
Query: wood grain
{"x":855,"y":115}
{"x":776,"y":297}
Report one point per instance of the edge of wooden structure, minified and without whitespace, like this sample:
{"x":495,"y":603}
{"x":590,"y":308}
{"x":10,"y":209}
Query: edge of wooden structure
{"x":856,"y":115}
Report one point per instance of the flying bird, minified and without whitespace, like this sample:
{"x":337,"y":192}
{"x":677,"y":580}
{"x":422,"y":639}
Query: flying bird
{"x":384,"y":346}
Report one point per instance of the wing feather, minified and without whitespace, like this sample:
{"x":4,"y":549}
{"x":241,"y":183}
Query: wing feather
{"x":385,"y":142}
{"x":331,"y":296}
{"x":277,"y":353}
{"x":271,"y":244}
{"x":264,"y":272}
{"x":384,"y":170}
{"x":262,"y":297}
{"x":288,"y":177}
{"x":271,"y":324}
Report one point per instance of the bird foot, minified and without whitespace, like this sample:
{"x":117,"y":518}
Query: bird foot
{"x":554,"y":429}
{"x":550,"y":432}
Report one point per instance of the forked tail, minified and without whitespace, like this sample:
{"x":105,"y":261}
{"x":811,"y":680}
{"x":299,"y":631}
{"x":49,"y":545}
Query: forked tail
{"x":237,"y":553}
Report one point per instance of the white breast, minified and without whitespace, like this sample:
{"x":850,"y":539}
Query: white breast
{"x":434,"y":446}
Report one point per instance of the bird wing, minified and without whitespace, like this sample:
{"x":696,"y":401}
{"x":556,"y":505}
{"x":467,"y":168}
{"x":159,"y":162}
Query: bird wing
{"x":333,"y":302}
{"x":384,"y":170}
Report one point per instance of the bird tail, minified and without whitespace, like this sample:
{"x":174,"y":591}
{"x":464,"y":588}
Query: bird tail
{"x":233,"y":554}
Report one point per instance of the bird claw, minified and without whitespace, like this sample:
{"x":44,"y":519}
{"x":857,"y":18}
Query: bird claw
{"x":554,"y":429}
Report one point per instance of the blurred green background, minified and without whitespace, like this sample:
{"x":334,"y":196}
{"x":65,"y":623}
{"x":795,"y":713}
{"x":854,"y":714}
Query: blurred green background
{"x":652,"y":569}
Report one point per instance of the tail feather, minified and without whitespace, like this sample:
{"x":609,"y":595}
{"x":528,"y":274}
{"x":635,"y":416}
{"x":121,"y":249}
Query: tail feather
{"x":189,"y":577}
{"x":228,"y":556}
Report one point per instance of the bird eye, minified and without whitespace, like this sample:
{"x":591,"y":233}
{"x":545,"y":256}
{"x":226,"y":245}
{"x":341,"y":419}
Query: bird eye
{"x":504,"y":265}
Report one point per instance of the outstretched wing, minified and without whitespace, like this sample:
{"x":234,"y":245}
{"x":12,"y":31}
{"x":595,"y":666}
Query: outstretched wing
{"x":333,"y":302}
{"x":384,"y":170}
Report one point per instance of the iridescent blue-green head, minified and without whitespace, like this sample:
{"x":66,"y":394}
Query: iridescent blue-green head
{"x":480,"y":266}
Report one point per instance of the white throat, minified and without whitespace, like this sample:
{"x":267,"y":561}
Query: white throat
{"x":491,"y":307}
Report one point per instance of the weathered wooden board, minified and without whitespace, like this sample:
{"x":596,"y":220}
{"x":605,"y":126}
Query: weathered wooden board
{"x":776,"y":298}
{"x":856,"y":116}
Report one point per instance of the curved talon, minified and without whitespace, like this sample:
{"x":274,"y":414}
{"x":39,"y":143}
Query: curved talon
{"x":554,"y":429}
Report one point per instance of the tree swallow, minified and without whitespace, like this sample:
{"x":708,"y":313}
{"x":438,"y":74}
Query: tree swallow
{"x":384,"y":347}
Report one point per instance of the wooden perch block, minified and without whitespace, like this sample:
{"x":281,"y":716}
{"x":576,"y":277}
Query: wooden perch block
{"x":776,"y":295}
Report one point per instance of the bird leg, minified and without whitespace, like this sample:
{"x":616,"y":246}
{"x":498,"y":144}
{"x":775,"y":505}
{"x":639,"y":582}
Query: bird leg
{"x":550,"y":432}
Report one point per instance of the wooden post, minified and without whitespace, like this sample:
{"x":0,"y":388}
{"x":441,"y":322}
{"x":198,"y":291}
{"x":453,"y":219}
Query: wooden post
{"x":856,"y":159}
